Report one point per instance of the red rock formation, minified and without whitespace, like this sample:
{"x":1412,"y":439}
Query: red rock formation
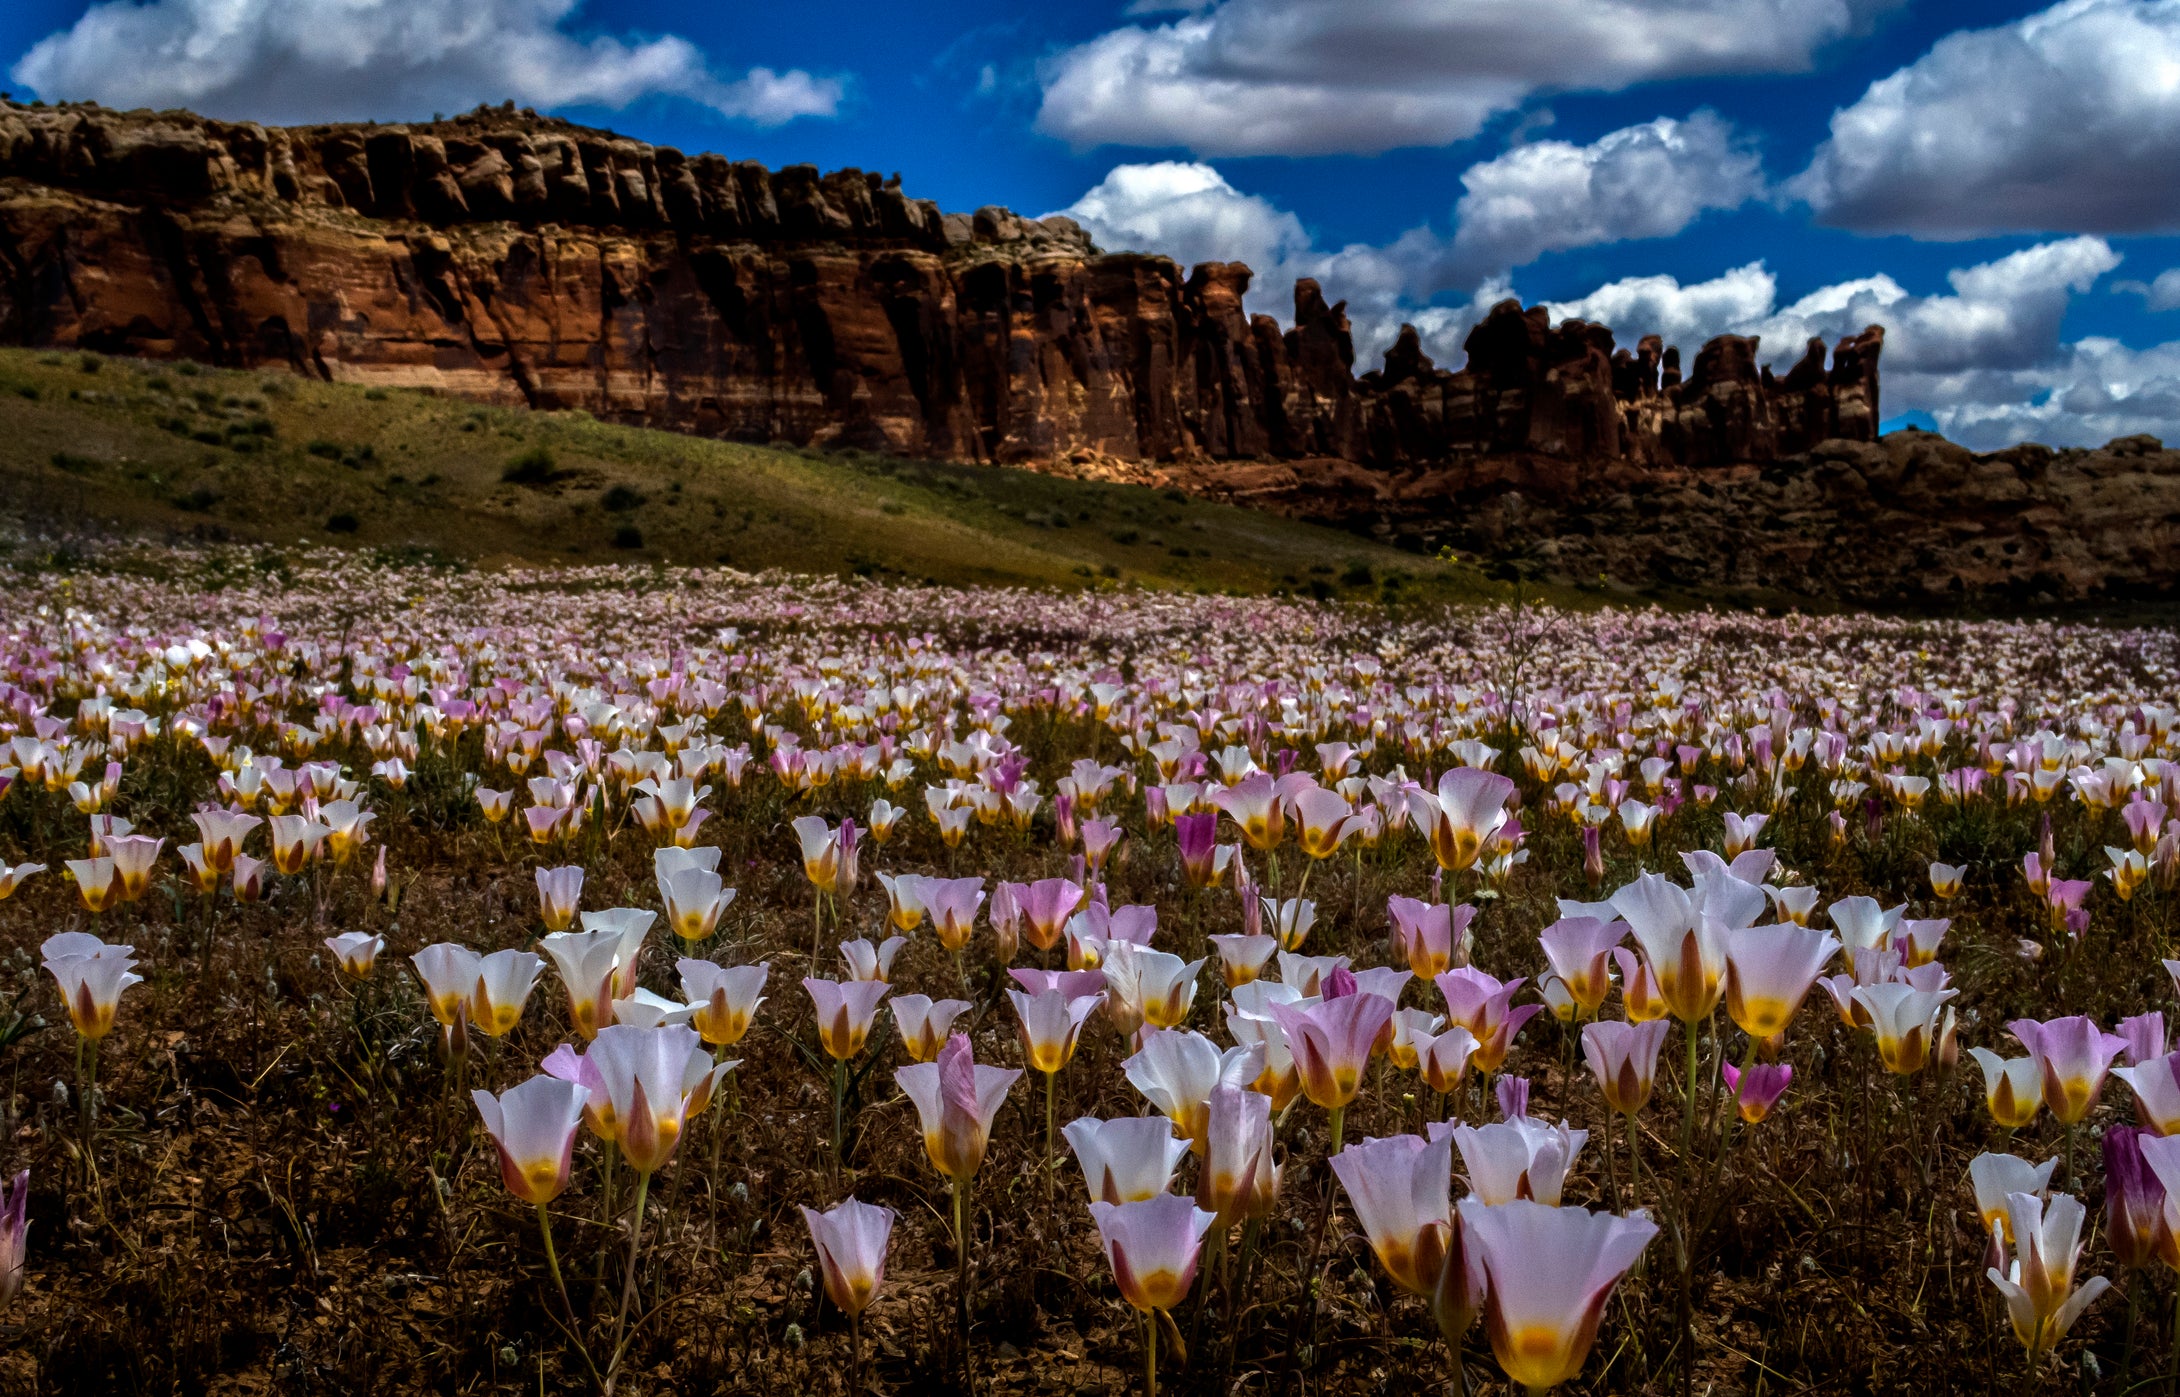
{"x":508,"y":257}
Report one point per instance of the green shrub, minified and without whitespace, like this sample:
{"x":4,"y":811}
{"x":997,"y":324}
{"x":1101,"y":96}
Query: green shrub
{"x":342,"y":524}
{"x":620,"y":500}
{"x":533,"y":467}
{"x":628,"y":536}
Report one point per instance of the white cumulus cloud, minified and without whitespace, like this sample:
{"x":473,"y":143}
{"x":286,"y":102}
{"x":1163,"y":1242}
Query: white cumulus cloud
{"x":2161,"y":294}
{"x":305,"y":60}
{"x":2066,"y":121}
{"x":1188,"y":212}
{"x":1645,"y":181}
{"x":1309,"y":77}
{"x":1985,"y":359}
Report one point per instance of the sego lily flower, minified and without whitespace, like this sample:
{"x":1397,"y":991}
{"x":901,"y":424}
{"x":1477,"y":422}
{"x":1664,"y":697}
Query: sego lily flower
{"x":2073,"y":1055}
{"x":356,"y":952}
{"x":222,"y":833}
{"x":12,"y":878}
{"x":587,"y":962}
{"x":1757,"y":1090}
{"x":1239,"y":1178}
{"x":1484,"y":1006}
{"x":631,"y":925}
{"x":1639,"y":997}
{"x":534,"y":1128}
{"x":1332,"y":1041}
{"x":1468,"y":809}
{"x":726,"y":997}
{"x":844,"y":1013}
{"x":851,"y":1247}
{"x":1684,"y":949}
{"x":504,"y":981}
{"x":1579,"y":949}
{"x":1520,"y":1157}
{"x":823,"y":860}
{"x":904,"y":900}
{"x":1165,"y":987}
{"x":1177,"y":1071}
{"x":295,"y":841}
{"x":1253,"y":804}
{"x":1624,"y":1058}
{"x":1401,"y":1190}
{"x":923,"y":1023}
{"x":2041,"y":1298}
{"x":97,"y":882}
{"x":2012,"y":1088}
{"x":1549,"y":1272}
{"x":2156,"y":1085}
{"x":695,"y":898}
{"x":956,"y":1099}
{"x":1045,"y":907}
{"x":2134,"y":1202}
{"x":91,"y":976}
{"x":1905,"y":1020}
{"x":1993,"y":1177}
{"x":1430,"y":936}
{"x":868,"y":962}
{"x":1153,"y":1246}
{"x":449,"y":973}
{"x":1769,"y":970}
{"x":1049,"y":1023}
{"x":952,"y":905}
{"x":654,"y":1080}
{"x":1126,"y":1160}
{"x":559,"y":890}
{"x":1242,"y":957}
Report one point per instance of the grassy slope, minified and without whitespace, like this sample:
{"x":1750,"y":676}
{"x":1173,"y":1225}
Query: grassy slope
{"x":147,"y":447}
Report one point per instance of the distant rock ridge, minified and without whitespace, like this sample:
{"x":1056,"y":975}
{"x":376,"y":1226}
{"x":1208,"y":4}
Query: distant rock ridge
{"x":510,"y":257}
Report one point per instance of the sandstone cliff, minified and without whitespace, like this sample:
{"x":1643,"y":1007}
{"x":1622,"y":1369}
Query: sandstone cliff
{"x":509,"y":257}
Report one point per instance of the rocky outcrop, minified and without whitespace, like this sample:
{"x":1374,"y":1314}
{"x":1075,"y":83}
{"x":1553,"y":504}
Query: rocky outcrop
{"x":509,"y":257}
{"x":1911,"y":521}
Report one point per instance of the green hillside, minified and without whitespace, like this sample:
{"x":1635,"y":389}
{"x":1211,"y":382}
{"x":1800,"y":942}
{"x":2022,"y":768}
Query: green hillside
{"x":92,"y":445}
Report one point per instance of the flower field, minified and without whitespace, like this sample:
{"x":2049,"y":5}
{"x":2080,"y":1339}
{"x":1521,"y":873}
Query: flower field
{"x":662,"y":981}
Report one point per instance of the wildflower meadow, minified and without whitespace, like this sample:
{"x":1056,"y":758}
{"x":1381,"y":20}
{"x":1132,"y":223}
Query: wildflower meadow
{"x":639,"y":980}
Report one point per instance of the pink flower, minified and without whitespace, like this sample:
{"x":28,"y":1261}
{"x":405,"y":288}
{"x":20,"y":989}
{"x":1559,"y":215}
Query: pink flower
{"x":534,"y":1128}
{"x":1483,"y":1005}
{"x":1153,"y":1246}
{"x":1759,"y":1089}
{"x":2073,"y":1055}
{"x":851,"y":1247}
{"x":956,"y":1099}
{"x":1331,"y":1042}
{"x":1549,"y":1272}
{"x":1578,"y":949}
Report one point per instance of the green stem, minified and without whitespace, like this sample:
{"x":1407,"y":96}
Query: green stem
{"x":1688,"y":1105}
{"x":840,"y":1093}
{"x":1339,"y":1126}
{"x":552,"y":1263}
{"x":1049,"y":1167}
{"x":628,"y":1286}
{"x":961,"y":1283}
{"x":1150,"y":1353}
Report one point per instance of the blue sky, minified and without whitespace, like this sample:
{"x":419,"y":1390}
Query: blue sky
{"x":1994,"y":182}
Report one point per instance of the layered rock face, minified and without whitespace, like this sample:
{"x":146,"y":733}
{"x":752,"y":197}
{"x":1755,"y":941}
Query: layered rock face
{"x":513,"y":258}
